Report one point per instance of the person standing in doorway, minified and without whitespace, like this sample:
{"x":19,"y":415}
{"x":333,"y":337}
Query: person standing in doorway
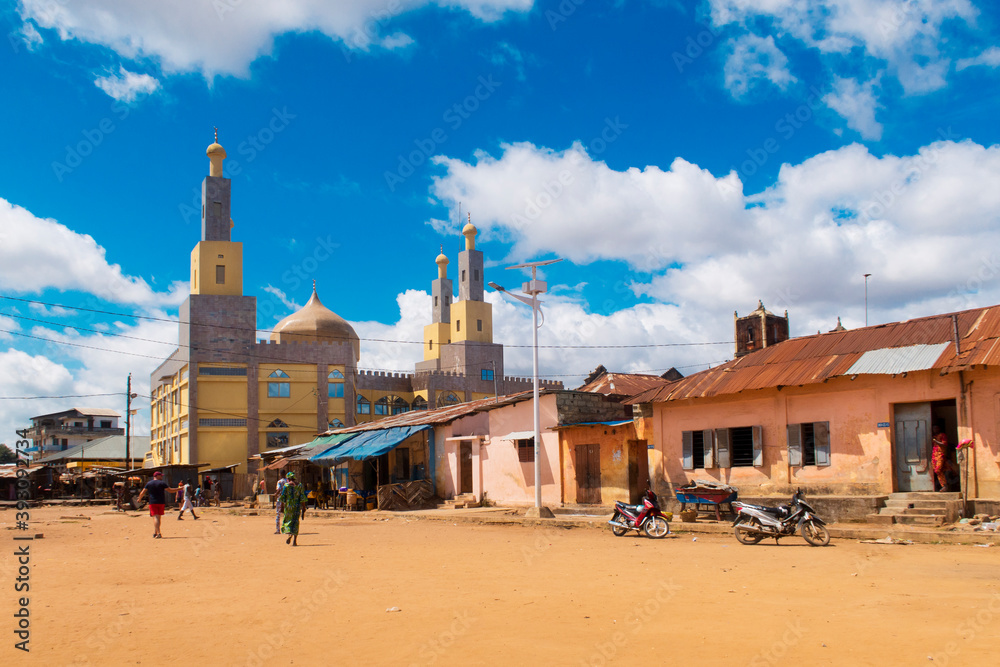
{"x":157,"y":490}
{"x":939,"y":457}
{"x":293,"y":500}
{"x":277,"y":503}
{"x":187,"y":505}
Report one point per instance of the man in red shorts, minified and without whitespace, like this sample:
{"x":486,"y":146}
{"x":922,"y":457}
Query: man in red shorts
{"x":157,"y":490}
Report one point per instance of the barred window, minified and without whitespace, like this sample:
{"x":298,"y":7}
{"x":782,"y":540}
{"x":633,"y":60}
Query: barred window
{"x":222,"y":422}
{"x":221,"y":370}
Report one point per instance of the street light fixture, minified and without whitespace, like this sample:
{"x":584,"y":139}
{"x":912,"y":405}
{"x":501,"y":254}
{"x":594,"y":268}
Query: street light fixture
{"x":533,"y":288}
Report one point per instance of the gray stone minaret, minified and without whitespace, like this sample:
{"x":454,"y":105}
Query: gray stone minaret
{"x":470,"y":267}
{"x":215,"y":195}
{"x":441,"y":292}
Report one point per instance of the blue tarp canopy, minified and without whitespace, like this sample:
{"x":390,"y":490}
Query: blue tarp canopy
{"x":327,"y":447}
{"x":366,"y":444}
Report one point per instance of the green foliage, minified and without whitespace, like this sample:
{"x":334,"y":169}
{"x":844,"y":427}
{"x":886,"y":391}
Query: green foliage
{"x":7,"y":455}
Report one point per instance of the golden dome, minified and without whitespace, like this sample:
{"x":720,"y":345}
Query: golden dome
{"x":315,"y":323}
{"x":469,"y":229}
{"x":215,"y":149}
{"x":441,"y":259}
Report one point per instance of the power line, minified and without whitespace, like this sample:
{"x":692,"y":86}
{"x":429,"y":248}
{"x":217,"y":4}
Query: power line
{"x":32,"y":398}
{"x":370,"y":340}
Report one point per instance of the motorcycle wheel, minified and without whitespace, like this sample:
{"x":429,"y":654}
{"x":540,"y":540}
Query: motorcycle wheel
{"x":618,"y":530}
{"x":656,"y":527}
{"x":744,"y":537}
{"x":815,"y":534}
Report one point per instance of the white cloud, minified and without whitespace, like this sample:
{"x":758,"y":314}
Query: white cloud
{"x":127,"y":86}
{"x":856,"y":103}
{"x":292,"y":306}
{"x":225,"y":36}
{"x":754,"y":60}
{"x":988,"y":58}
{"x":30,"y":36}
{"x":906,"y":34}
{"x":548,"y":201}
{"x":925,"y":225}
{"x":71,"y":261}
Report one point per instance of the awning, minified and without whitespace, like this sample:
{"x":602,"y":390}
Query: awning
{"x":618,"y":422}
{"x":327,"y":448}
{"x":516,"y":435}
{"x":369,"y":444}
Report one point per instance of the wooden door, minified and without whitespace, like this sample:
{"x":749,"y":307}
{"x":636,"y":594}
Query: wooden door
{"x":588,"y":474}
{"x":465,"y":468}
{"x":638,"y":470}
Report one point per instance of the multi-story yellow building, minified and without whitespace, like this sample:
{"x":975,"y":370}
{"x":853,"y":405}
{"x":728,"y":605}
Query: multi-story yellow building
{"x":223,"y":396}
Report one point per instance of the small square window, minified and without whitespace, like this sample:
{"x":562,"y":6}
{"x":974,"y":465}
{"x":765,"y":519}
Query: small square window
{"x":279,"y":389}
{"x":487,"y":374}
{"x":526,"y":450}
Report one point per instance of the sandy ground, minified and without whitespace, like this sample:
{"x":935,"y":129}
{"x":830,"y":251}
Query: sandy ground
{"x":226,"y":591}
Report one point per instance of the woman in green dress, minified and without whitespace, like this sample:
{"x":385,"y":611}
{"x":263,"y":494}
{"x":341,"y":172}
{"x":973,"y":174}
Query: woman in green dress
{"x":292,"y":499}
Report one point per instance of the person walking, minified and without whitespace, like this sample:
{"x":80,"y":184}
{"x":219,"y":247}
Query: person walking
{"x":188,"y":505}
{"x":293,"y":500}
{"x":277,"y":503}
{"x":157,"y":490}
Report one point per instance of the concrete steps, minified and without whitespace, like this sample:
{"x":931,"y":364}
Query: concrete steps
{"x":919,"y":508}
{"x":461,"y":502}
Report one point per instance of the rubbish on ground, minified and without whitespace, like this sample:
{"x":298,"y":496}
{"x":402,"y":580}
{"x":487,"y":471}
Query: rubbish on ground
{"x":888,"y":539}
{"x":393,"y":609}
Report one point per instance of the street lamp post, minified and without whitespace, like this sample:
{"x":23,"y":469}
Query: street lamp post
{"x":533,"y":288}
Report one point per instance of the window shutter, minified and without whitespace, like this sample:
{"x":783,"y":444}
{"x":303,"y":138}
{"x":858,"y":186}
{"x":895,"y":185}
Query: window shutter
{"x":708,"y":449}
{"x":794,"y":444}
{"x":687,"y":451}
{"x":722,"y":447}
{"x":821,"y":435}
{"x":758,"y":445}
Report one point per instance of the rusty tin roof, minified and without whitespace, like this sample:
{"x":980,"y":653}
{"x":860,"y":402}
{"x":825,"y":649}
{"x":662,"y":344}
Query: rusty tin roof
{"x":814,"y":359}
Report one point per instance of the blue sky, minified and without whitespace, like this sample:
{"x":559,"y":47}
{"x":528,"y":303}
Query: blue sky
{"x":686,"y":158}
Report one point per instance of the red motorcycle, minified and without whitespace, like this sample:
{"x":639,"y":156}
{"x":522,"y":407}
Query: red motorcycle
{"x":646,"y":517}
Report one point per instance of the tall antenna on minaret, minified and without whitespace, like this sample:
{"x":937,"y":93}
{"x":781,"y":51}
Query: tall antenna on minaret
{"x":459,"y":212}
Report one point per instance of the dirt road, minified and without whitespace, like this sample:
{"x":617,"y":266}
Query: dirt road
{"x":226,"y":591}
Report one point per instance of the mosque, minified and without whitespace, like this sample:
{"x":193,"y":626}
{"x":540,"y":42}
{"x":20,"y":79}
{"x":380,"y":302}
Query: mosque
{"x":224,"y":396}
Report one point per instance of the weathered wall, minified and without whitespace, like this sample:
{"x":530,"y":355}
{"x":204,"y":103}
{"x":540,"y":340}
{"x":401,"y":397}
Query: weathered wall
{"x":613,"y":442}
{"x":505,"y":479}
{"x":861,"y":451}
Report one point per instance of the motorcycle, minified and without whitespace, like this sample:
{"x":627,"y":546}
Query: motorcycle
{"x":755,"y":522}
{"x":647,"y":517}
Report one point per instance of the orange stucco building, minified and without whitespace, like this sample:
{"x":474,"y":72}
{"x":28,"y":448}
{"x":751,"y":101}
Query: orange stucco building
{"x":848,"y":413}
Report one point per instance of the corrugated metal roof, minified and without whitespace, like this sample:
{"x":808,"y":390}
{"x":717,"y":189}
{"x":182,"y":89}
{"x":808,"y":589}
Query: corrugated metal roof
{"x":623,"y":384}
{"x":814,"y":359}
{"x":892,"y":360}
{"x":111,"y":447}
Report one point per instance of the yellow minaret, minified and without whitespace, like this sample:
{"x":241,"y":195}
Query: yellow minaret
{"x":217,"y":261}
{"x":471,"y":317}
{"x":438,"y":333}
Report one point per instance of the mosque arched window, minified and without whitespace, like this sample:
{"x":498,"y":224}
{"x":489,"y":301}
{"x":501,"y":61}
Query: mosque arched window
{"x":364,"y":406}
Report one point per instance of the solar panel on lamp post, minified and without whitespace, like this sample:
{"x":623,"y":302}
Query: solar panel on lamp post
{"x":533,"y":288}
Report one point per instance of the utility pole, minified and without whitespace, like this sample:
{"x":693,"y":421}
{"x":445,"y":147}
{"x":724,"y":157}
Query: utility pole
{"x":128,"y":423}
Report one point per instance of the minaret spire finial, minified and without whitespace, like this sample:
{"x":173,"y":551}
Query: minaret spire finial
{"x":216,"y":135}
{"x":314,"y":284}
{"x":442,"y":248}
